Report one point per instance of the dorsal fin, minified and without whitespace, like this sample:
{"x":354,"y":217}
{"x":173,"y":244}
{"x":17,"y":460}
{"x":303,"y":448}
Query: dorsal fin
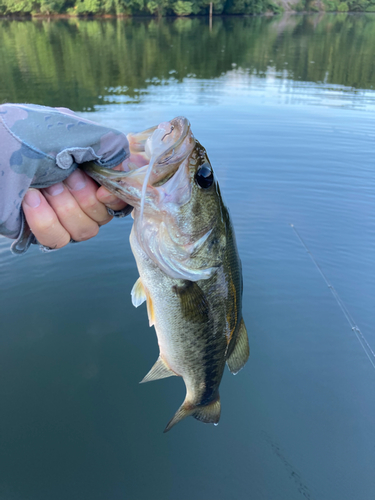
{"x":241,"y":350}
{"x":138,"y":293}
{"x":158,"y":371}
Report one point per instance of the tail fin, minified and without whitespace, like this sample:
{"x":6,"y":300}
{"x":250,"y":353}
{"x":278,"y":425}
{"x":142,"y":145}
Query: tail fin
{"x":209,"y":414}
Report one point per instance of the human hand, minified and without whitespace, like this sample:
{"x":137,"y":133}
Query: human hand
{"x":74,"y":209}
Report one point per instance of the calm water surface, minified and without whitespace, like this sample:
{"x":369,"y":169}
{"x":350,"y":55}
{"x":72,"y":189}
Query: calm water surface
{"x":286,"y":108}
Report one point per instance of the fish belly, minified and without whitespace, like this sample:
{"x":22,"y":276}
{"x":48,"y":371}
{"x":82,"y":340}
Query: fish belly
{"x":188,"y":345}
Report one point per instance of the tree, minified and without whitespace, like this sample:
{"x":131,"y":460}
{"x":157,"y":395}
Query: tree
{"x":182,"y":8}
{"x":157,"y":7}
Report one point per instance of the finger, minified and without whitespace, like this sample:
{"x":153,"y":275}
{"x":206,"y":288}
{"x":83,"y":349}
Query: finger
{"x":83,"y":190}
{"x":109,"y":199}
{"x":43,"y":221}
{"x":79,"y":225}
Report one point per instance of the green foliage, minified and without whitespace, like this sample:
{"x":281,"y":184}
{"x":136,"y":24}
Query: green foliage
{"x":152,"y":7}
{"x":336,"y":6}
{"x":181,"y":8}
{"x":51,"y":6}
{"x":313,"y":6}
{"x":300,"y":6}
{"x":17,"y":6}
{"x":349,"y":5}
{"x":87,"y":7}
{"x":275,"y":8}
{"x":115,"y":7}
{"x":246,"y":6}
{"x":139,"y":7}
{"x":331,"y":5}
{"x":362,"y":5}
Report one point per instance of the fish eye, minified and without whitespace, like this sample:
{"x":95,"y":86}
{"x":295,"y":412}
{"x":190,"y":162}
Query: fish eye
{"x":204,"y":176}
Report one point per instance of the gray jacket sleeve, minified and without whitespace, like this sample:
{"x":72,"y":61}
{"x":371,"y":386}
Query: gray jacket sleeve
{"x":41,"y":146}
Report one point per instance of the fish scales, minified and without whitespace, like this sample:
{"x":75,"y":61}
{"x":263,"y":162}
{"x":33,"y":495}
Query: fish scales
{"x":198,"y":355}
{"x":190,"y":271}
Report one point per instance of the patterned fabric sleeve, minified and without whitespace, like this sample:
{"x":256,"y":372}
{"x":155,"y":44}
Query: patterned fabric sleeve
{"x":41,"y":146}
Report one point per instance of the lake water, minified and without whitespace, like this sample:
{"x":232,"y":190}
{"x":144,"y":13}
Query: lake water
{"x":285,"y":107}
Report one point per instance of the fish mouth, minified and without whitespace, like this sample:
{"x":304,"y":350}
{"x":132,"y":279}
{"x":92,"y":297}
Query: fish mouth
{"x":155,"y":156}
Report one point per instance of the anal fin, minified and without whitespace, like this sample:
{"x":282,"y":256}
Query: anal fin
{"x":158,"y":371}
{"x":241,"y":350}
{"x":139,"y":295}
{"x":150,"y":311}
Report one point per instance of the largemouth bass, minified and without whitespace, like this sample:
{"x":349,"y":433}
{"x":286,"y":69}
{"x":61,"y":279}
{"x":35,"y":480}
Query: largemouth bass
{"x":190,"y":271}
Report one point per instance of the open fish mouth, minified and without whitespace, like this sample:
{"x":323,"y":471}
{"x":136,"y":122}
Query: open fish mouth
{"x":156,"y":154}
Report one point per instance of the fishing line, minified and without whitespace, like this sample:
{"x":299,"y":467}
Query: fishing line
{"x":361,"y":338}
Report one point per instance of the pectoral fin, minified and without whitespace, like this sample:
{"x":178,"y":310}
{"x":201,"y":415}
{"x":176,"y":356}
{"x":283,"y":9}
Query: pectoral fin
{"x":241,"y":350}
{"x":138,"y":293}
{"x":158,"y":371}
{"x":194,"y":304}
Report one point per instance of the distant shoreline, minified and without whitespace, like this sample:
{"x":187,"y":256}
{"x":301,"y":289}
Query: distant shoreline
{"x":52,"y":16}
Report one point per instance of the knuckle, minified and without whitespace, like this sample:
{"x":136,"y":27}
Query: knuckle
{"x":105,"y":221}
{"x":117,"y":206}
{"x":56,"y":239}
{"x":87,"y":232}
{"x":68,"y":210}
{"x":45,"y":224}
{"x":62,"y":241}
{"x":90,"y":203}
